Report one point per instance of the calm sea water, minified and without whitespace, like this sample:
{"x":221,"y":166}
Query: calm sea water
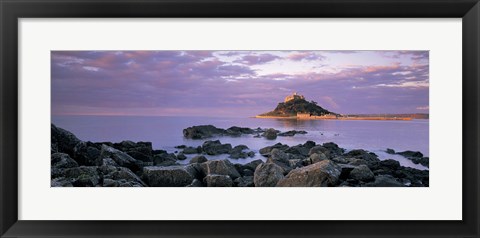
{"x":166,"y":133}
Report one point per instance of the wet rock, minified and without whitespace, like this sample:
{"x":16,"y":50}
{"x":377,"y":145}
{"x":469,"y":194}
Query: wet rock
{"x":215,"y":180}
{"x":164,"y":159}
{"x":126,"y":176}
{"x":322,"y":174}
{"x":246,"y":181}
{"x":239,"y":151}
{"x":315,"y":158}
{"x":411,"y":154}
{"x":171,"y":176}
{"x":270,"y":134}
{"x":384,"y":181}
{"x":390,"y":164}
{"x":83,"y":176}
{"x":238,"y":131}
{"x":281,"y":159}
{"x":121,"y":158}
{"x":266,"y":150}
{"x":62,"y":160}
{"x":298,"y":150}
{"x":362,"y":173}
{"x":291,"y":133}
{"x":423,"y":161}
{"x":309,"y":144}
{"x":333,"y":149}
{"x":191,"y":150}
{"x":390,"y":151}
{"x":267,"y":175}
{"x":181,"y":156}
{"x":61,"y":182}
{"x":364,"y":155}
{"x":198,"y":159}
{"x":252,"y":165}
{"x":216,"y":148}
{"x":180,"y":146}
{"x":62,"y":140}
{"x":87,"y":153}
{"x":219,"y":167}
{"x":202,"y":132}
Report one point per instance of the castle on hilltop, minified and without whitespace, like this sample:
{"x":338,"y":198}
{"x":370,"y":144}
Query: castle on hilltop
{"x":293,"y":96}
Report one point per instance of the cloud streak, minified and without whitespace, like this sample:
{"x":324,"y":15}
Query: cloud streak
{"x":242,"y":83}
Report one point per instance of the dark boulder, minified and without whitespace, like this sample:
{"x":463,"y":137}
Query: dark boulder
{"x":171,"y":176}
{"x":363,"y":154}
{"x":298,"y":150}
{"x":267,"y":175}
{"x":124,"y":177}
{"x":362,"y":173}
{"x":83,"y":176}
{"x":198,"y":159}
{"x":266,"y":150}
{"x":322,"y":174}
{"x":423,"y":161}
{"x":270,"y":134}
{"x":411,"y":154}
{"x":215,"y":180}
{"x":202,"y":132}
{"x":384,"y":181}
{"x":239,"y":151}
{"x":333,"y":149}
{"x":252,"y":165}
{"x":62,"y":140}
{"x":87,"y":153}
{"x":62,"y":160}
{"x":181,"y":156}
{"x":219,"y":167}
{"x":314,"y":158}
{"x":390,"y":151}
{"x":216,"y":147}
{"x":309,"y":144}
{"x":61,"y":182}
{"x":390,"y":164}
{"x":291,"y":133}
{"x":121,"y":158}
{"x":164,"y":159}
{"x":238,"y":131}
{"x":246,"y":181}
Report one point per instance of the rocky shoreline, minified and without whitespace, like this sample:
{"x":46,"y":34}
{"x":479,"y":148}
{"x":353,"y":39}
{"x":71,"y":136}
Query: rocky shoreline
{"x":136,"y":164}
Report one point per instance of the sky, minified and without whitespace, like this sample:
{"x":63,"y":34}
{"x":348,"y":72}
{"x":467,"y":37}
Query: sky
{"x":236,"y":83}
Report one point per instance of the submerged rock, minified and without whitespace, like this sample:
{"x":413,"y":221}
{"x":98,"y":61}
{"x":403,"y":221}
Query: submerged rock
{"x":202,"y":132}
{"x":216,"y":147}
{"x":291,"y":133}
{"x":270,"y":134}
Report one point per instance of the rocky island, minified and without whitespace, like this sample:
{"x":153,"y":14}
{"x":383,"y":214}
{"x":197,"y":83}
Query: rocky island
{"x":136,"y":164}
{"x":295,"y":106}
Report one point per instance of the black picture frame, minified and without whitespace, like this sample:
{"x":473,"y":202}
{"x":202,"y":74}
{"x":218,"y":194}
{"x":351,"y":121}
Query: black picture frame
{"x":12,"y":10}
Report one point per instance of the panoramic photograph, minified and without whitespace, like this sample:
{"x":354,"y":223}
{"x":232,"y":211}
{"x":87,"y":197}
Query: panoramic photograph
{"x":220,"y":118}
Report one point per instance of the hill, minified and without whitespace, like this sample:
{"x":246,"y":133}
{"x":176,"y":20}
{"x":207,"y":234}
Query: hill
{"x":291,"y":107}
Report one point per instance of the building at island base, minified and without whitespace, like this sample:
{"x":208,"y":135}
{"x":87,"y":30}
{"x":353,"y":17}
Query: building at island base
{"x":309,"y":116}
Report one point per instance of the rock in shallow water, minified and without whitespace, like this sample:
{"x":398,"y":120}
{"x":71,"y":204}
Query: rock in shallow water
{"x":270,"y":134}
